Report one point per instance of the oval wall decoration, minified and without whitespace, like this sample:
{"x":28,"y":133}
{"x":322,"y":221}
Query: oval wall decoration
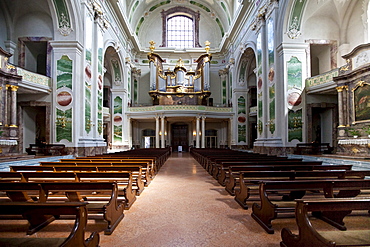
{"x":64,"y":98}
{"x":294,"y":99}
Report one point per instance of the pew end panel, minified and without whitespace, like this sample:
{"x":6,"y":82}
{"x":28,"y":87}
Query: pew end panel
{"x":35,"y":211}
{"x":309,"y":236}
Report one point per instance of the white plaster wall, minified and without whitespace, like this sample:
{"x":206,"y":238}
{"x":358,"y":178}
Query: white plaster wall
{"x":329,"y":29}
{"x":215,"y":87}
{"x":355,"y":34}
{"x":29,"y":126}
{"x":144,"y":87}
{"x":151,"y":29}
{"x":34,"y":24}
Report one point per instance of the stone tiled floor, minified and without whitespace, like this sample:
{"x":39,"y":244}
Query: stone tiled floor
{"x":183,"y":206}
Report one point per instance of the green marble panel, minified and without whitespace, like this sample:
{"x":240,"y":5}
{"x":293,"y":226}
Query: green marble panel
{"x":135,"y":90}
{"x":87,"y":108}
{"x":129,"y":85}
{"x":294,"y":68}
{"x":64,"y":72}
{"x":117,"y":133}
{"x":117,"y":105}
{"x":295,"y":125}
{"x":241,"y":105}
{"x":242,"y":133}
{"x":64,"y":125}
{"x":272,"y":108}
{"x":224,"y":92}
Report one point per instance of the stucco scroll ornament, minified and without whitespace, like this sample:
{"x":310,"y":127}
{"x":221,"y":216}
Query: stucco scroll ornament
{"x":64,"y":26}
{"x":293,"y":31}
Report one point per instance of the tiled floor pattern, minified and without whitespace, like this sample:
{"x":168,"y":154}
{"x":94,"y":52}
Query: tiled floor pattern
{"x":183,"y":206}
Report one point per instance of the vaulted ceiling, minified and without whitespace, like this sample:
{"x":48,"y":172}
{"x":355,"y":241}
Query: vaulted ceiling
{"x":216,"y":15}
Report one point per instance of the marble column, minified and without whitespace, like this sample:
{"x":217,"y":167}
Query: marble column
{"x":130,"y":139}
{"x":203,"y":132}
{"x":197,"y":133}
{"x":157,"y":132}
{"x":340,"y":106}
{"x":13,"y":108}
{"x":7,"y":105}
{"x":162,"y":132}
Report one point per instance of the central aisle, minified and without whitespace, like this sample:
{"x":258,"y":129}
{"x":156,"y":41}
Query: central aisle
{"x":185,"y":206}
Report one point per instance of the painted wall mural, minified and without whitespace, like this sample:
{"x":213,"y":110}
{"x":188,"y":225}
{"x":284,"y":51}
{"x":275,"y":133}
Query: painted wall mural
{"x":117,"y":120}
{"x":64,"y":99}
{"x":361,"y":97}
{"x":88,"y":73}
{"x":295,"y":125}
{"x":294,"y":70}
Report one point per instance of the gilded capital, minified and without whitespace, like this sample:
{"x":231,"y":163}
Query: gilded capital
{"x":14,"y":88}
{"x":340,"y":89}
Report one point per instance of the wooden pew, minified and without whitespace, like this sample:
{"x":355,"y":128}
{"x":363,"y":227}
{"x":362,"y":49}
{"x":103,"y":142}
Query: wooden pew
{"x":222,"y":172}
{"x":102,"y":197}
{"x":123,"y":179}
{"x":309,"y":236}
{"x":35,"y":212}
{"x":270,"y":207}
{"x":146,"y":169}
{"x":313,"y":148}
{"x":230,"y":177}
{"x":248,"y":181}
{"x":46,"y":149}
{"x":140,"y":179}
{"x":220,"y":164}
{"x":152,"y":164}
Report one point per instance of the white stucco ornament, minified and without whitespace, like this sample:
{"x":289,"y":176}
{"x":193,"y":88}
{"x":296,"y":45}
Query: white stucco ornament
{"x":64,"y":27}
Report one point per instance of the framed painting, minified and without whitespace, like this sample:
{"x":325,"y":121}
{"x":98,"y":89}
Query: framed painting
{"x":361,"y":101}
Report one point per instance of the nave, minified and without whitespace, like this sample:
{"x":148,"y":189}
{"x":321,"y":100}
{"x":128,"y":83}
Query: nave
{"x":183,"y":206}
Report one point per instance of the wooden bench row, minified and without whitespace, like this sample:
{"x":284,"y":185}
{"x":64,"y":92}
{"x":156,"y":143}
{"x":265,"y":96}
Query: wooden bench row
{"x":38,"y":214}
{"x":281,"y":185}
{"x":101,"y":198}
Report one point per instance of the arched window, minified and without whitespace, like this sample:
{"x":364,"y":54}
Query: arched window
{"x":180,"y":32}
{"x":180,"y":27}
